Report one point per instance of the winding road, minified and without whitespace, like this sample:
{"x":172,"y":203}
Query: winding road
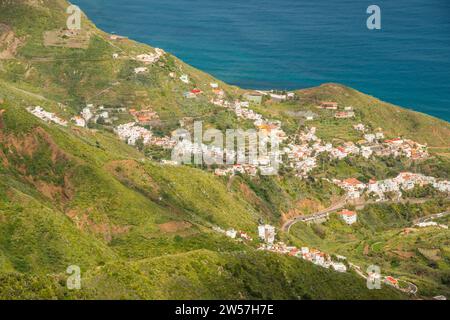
{"x":316,"y":216}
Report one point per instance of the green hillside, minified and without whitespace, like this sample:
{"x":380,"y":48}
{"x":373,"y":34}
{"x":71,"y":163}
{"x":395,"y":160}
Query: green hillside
{"x":139,"y":229}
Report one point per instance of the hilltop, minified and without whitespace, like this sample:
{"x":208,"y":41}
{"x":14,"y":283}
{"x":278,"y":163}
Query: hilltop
{"x":142,"y":229}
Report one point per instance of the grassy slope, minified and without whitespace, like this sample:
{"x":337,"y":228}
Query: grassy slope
{"x":243,"y":275}
{"x":394,"y":120}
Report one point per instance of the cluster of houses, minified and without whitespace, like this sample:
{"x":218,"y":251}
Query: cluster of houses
{"x":131,"y":133}
{"x":195,"y":92}
{"x":374,"y":143}
{"x":315,"y":256}
{"x":311,"y":146}
{"x":240,"y":108}
{"x":403,"y":182}
{"x":405,"y":147}
{"x":233,"y":234}
{"x":324,"y":260}
{"x":188,"y":147}
{"x":265,"y":127}
{"x":302,"y":155}
{"x":344,"y":114}
{"x":46,"y":116}
{"x":93,"y":114}
{"x":140,"y":70}
{"x":267,"y":233}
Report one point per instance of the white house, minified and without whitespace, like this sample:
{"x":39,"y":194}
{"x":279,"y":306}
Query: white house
{"x":140,"y":70}
{"x":426,"y":224}
{"x":266,"y":233}
{"x":184,"y":78}
{"x":370,"y":137}
{"x":339,"y":266}
{"x":366,"y":152}
{"x":87,"y":114}
{"x":231,"y":233}
{"x":79,"y":121}
{"x":348,"y":216}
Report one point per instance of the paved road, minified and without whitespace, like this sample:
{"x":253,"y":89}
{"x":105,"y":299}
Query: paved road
{"x":359,"y":204}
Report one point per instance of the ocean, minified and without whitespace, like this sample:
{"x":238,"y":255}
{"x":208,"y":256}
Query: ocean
{"x":293,"y":44}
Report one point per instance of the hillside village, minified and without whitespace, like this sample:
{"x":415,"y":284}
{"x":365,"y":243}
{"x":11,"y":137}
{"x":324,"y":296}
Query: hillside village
{"x":378,"y":189}
{"x":300,"y":151}
{"x":301,"y":156}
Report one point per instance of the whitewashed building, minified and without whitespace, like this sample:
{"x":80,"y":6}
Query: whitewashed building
{"x":348,"y":216}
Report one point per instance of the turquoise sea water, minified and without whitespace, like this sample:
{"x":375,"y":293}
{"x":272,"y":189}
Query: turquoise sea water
{"x":289,"y":44}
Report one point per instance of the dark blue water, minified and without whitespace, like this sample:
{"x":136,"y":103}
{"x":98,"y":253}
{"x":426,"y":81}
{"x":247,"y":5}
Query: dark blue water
{"x":291,"y":44}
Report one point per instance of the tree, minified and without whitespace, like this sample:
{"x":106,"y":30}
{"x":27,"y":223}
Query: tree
{"x":140,"y":144}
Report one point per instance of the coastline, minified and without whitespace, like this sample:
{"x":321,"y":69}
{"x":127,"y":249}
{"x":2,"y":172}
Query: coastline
{"x":261,"y":59}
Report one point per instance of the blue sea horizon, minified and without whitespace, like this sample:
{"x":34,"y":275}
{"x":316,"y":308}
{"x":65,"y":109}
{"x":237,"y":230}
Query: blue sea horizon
{"x":294,"y":44}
